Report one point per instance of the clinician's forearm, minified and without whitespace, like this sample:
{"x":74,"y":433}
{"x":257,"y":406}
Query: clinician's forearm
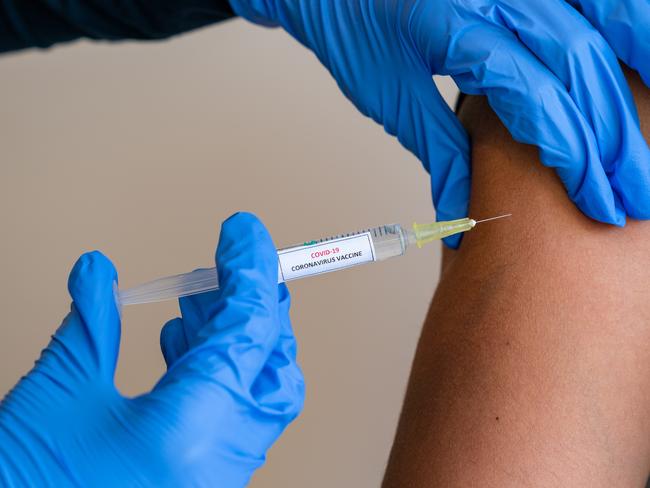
{"x":42,"y":23}
{"x":533,"y":368}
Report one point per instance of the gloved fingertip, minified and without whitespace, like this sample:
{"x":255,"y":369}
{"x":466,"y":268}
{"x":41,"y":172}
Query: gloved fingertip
{"x":245,"y":244}
{"x":240,"y":225}
{"x":600,"y":203}
{"x":93,"y":274}
{"x":239,"y":232}
{"x":620,"y":218}
{"x":619,"y":221}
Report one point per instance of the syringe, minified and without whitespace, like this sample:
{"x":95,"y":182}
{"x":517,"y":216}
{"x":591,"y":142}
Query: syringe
{"x":311,"y":258}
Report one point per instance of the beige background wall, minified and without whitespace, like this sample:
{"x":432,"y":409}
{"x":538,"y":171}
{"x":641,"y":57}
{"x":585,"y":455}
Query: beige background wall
{"x":141,"y":150}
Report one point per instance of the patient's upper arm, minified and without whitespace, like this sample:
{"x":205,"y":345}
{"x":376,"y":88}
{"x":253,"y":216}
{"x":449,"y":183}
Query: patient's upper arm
{"x":533,"y":368}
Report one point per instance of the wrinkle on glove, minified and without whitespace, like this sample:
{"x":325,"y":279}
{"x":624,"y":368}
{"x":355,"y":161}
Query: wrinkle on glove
{"x":625,"y":24}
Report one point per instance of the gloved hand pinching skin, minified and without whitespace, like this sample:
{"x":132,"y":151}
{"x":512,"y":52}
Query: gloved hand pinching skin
{"x":231,"y":387}
{"x":546,"y":71}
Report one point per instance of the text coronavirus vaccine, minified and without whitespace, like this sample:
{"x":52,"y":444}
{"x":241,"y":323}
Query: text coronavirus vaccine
{"x":323,"y":257}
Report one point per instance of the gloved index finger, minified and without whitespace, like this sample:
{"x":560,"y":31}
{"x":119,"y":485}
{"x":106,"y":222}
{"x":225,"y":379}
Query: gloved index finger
{"x":246,"y":258}
{"x":239,"y":326}
{"x":247,"y":265}
{"x":95,"y":336}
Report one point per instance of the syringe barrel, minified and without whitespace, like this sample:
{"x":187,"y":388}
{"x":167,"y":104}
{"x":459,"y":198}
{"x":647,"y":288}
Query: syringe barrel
{"x":308,"y":259}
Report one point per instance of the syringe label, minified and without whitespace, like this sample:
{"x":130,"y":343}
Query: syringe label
{"x":301,"y":261}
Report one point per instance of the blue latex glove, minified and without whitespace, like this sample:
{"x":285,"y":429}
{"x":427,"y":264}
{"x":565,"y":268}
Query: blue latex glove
{"x":548,"y":74}
{"x":625,"y":24}
{"x":231,"y":387}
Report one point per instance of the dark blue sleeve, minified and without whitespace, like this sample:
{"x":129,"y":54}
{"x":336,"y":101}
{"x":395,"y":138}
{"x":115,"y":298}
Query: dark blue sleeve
{"x":42,"y":23}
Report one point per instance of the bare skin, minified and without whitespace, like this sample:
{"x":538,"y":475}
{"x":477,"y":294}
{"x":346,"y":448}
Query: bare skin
{"x":533,"y":368}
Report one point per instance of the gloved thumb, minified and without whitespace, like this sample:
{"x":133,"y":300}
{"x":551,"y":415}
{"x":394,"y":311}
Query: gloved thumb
{"x":87,"y":343}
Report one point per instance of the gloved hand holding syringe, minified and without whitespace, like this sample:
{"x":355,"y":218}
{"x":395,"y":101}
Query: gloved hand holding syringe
{"x":311,"y":258}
